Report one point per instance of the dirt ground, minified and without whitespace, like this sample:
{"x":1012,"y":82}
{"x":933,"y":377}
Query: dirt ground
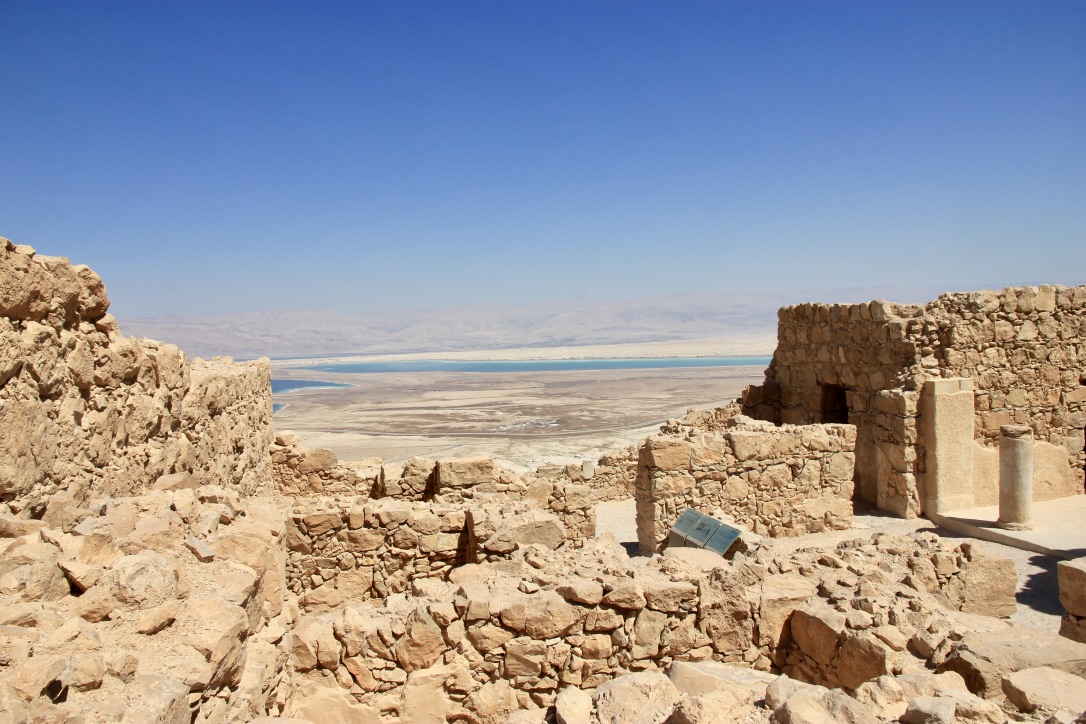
{"x":1038,"y":589}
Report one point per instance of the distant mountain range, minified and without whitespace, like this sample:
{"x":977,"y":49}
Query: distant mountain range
{"x":647,"y":319}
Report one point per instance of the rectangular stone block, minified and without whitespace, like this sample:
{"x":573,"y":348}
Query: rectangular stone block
{"x":1072,"y":580}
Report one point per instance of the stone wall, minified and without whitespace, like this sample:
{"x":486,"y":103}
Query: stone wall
{"x":611,"y":477}
{"x":85,"y":411}
{"x":498,"y":638}
{"x":1024,"y":349}
{"x":349,"y":549}
{"x":776,"y":480}
{"x":300,"y":470}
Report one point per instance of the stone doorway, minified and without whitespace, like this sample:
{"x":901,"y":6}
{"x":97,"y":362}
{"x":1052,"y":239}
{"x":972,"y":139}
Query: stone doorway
{"x":833,"y":407}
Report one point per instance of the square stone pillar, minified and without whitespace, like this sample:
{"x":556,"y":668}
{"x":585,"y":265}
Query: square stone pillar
{"x":946,"y":430}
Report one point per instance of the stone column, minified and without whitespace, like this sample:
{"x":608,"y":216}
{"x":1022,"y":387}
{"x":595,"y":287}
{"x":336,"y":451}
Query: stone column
{"x":1015,"y":477}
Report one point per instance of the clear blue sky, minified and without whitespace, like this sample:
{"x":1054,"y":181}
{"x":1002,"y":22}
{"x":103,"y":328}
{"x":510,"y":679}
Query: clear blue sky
{"x":231,"y":156}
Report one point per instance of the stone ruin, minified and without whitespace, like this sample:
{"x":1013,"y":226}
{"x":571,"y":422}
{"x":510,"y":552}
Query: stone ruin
{"x":168,"y":557}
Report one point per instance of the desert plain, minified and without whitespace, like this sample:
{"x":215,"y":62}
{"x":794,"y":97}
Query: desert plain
{"x":523,"y":419}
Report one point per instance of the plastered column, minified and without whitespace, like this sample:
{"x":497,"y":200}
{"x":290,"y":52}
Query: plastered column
{"x":1015,"y":477}
{"x":946,"y":429}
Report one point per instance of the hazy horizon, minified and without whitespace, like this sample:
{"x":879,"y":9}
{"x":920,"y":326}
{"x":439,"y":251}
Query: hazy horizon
{"x":222,"y":158}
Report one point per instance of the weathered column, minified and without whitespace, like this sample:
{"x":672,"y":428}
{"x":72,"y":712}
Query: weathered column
{"x":1015,"y":477}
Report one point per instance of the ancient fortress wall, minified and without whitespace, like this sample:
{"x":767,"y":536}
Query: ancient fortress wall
{"x":88,"y":412}
{"x":1023,"y":348}
{"x":779,"y":481}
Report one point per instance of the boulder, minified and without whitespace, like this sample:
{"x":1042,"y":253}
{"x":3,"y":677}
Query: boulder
{"x":929,"y":710}
{"x":780,"y":596}
{"x":573,"y":706}
{"x":1045,"y":688}
{"x":158,"y":699}
{"x":984,"y":658}
{"x":143,"y":580}
{"x":647,"y":697}
{"x":1072,"y":581}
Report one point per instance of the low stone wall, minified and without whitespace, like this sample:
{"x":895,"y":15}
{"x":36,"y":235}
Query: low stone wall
{"x":778,"y":481}
{"x":499,"y":638}
{"x":349,"y":549}
{"x":85,"y":411}
{"x":611,"y":477}
{"x":300,"y":470}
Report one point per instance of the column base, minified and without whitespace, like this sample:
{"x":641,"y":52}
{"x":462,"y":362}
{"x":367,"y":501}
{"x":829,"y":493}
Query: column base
{"x":1014,"y":526}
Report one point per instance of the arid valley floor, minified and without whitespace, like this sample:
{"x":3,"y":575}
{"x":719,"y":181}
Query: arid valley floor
{"x":523,"y":419}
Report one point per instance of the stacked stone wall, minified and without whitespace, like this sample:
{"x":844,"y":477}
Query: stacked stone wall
{"x":300,"y":470}
{"x":498,"y":638}
{"x":85,"y":411}
{"x":1024,"y":348}
{"x":347,"y":549}
{"x":780,"y":481}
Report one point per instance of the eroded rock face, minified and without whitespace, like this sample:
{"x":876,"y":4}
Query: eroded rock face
{"x":86,"y":411}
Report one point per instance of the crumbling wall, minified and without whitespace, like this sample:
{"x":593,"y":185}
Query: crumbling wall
{"x":1025,"y":350}
{"x":780,"y":481}
{"x":300,"y":470}
{"x":350,"y":549}
{"x":499,"y":638}
{"x":865,"y":364}
{"x":85,"y":411}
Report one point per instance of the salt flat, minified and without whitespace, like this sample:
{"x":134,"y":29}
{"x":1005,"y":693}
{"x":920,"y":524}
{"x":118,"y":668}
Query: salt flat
{"x":523,"y":419}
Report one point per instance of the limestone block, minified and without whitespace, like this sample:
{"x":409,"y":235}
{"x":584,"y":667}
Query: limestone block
{"x":547,"y":615}
{"x":702,"y":677}
{"x":1044,"y":687}
{"x":319,"y":703}
{"x":780,"y":596}
{"x":422,"y":643}
{"x":464,"y":472}
{"x":642,"y":698}
{"x":988,"y":584}
{"x":818,"y":629}
{"x":573,"y":706}
{"x":581,"y":590}
{"x":1072,"y":584}
{"x":530,"y":527}
{"x":666,"y":454}
{"x":143,"y":580}
{"x":862,"y":657}
{"x":984,"y":658}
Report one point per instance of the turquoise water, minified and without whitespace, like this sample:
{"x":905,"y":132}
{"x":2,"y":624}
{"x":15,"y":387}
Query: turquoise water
{"x":281,"y":386}
{"x":288,"y":385}
{"x":557,"y":365}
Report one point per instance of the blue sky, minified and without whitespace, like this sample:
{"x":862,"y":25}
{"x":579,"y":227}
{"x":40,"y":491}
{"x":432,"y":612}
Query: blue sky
{"x":242,"y":156}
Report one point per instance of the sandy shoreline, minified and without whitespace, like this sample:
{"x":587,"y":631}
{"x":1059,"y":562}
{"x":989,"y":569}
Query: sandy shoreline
{"x":751,"y":345}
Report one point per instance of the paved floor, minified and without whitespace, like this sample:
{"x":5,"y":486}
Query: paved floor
{"x":1059,"y":527}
